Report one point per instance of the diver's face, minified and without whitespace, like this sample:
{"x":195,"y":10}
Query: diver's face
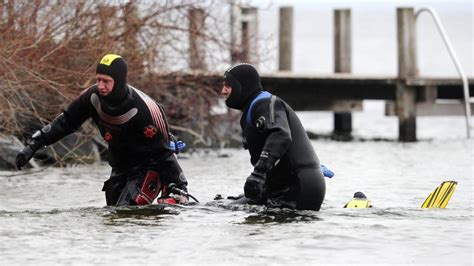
{"x":226,"y":90}
{"x":105,"y":84}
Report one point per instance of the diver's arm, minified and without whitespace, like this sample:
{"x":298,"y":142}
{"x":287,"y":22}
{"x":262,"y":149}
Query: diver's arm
{"x":271,"y":120}
{"x":66,"y":123}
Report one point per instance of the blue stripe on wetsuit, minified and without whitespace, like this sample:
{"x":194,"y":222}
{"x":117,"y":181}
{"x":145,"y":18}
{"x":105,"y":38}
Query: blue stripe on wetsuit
{"x":262,"y":95}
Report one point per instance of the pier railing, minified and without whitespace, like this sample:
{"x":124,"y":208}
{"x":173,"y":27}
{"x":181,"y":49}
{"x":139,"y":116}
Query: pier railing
{"x":467,"y":98}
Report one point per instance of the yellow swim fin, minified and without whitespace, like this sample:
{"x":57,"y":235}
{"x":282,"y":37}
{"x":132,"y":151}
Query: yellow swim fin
{"x":440,"y":197}
{"x":358,"y":202}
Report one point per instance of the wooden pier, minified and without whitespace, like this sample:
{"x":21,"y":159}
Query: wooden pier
{"x":407,"y":95}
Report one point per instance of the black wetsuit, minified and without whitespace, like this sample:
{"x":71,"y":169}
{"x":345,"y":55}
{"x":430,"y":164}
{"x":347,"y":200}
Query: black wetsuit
{"x":272,"y":130}
{"x":133,"y":125}
{"x":296,"y":178}
{"x":137,"y":135}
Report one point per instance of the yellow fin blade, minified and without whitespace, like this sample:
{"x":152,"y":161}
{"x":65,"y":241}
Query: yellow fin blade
{"x":440,"y":197}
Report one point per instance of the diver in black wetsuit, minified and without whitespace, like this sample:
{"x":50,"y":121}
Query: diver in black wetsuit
{"x":135,"y":128}
{"x":286,"y":169}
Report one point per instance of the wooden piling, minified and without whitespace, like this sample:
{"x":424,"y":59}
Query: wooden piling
{"x":405,"y":102}
{"x":196,"y":45}
{"x":342,"y":41}
{"x":285,"y":54}
{"x":342,"y":63}
{"x":234,"y":28}
{"x":132,"y":25}
{"x":249,"y":33}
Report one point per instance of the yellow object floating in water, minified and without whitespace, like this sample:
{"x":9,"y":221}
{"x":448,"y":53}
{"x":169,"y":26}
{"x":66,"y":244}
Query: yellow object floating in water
{"x":440,"y":197}
{"x":360,"y":201}
{"x":358,"y":204}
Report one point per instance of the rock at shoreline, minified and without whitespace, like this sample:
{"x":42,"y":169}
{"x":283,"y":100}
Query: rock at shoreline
{"x":10,"y":146}
{"x":73,"y":149}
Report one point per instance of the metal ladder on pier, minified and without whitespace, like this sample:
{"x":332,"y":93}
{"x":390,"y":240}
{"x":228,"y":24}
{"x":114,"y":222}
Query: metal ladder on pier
{"x":467,"y":98}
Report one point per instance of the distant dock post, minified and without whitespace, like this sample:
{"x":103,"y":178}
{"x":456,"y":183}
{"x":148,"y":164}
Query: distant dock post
{"x":405,"y":101}
{"x":243,"y":34}
{"x":285,"y":51}
{"x":196,"y":42}
{"x":249,"y":31}
{"x":342,"y":63}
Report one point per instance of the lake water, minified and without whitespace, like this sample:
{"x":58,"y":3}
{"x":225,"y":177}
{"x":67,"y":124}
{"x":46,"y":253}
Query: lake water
{"x":57,"y":216}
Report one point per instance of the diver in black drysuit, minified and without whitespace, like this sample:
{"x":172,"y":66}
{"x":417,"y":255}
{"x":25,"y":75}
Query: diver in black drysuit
{"x":286,"y":169}
{"x":137,"y":133}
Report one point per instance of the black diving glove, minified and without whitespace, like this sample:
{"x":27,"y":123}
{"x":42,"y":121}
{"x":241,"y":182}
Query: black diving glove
{"x":254,"y":187}
{"x":31,"y":147}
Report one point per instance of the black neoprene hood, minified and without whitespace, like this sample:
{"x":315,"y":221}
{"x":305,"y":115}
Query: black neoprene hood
{"x":114,"y":66}
{"x":245,"y":83}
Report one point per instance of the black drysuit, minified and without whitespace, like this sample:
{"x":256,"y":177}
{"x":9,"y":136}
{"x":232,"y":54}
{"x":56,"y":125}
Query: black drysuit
{"x":137,"y":135}
{"x":296,"y":180}
{"x":133,"y":125}
{"x":279,"y":147}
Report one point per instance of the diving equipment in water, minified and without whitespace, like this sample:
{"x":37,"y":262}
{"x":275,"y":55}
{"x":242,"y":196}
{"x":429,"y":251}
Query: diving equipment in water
{"x":359,"y":201}
{"x":440,"y":197}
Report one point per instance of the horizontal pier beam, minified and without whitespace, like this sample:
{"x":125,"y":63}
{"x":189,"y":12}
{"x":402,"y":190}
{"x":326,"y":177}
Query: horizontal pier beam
{"x":442,"y":108}
{"x":339,"y":92}
{"x":335,"y":87}
{"x":349,"y":87}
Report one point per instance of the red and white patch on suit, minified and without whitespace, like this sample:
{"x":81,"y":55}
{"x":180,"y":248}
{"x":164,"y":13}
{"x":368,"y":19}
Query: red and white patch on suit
{"x":150,"y":131}
{"x":108,"y":137}
{"x":155,"y":111}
